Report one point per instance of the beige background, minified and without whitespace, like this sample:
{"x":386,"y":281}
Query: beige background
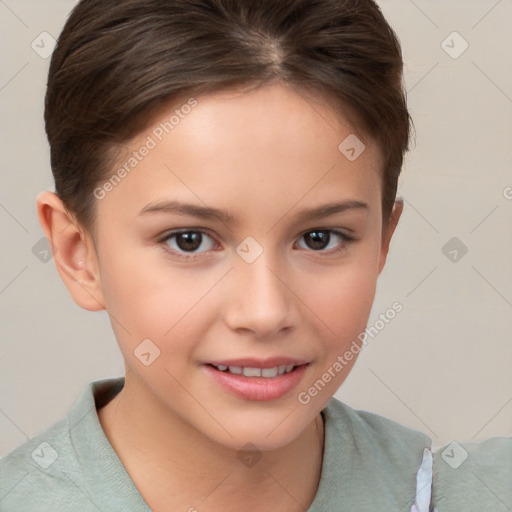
{"x":443,"y":365}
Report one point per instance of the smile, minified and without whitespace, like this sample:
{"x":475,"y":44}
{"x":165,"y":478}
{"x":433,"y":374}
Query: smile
{"x":248,"y":371}
{"x":257,"y":383}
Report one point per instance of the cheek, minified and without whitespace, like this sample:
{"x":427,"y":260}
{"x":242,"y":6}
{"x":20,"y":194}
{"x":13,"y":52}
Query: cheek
{"x":147,"y":297}
{"x":343,"y":303}
{"x":344,"y":310}
{"x":342,"y":298}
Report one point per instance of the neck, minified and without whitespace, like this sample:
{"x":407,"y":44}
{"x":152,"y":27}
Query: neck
{"x":176,"y":467}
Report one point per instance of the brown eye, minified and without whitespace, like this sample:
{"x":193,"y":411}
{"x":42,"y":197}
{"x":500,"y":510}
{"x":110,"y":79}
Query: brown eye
{"x":317,"y":240}
{"x":189,"y":241}
{"x":321,"y":239}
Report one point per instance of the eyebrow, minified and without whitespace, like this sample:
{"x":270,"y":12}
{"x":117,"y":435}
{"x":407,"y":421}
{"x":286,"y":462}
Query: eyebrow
{"x":205,"y":212}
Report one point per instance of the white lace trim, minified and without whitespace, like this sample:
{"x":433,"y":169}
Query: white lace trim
{"x":424,"y":483}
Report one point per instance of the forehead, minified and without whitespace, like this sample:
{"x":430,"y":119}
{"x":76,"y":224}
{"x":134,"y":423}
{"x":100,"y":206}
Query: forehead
{"x":274,"y":117}
{"x":248,"y":148}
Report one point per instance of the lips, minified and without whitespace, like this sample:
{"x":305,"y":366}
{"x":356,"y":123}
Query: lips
{"x":257,"y":379}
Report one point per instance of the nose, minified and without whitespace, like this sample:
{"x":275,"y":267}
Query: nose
{"x":259,"y":300}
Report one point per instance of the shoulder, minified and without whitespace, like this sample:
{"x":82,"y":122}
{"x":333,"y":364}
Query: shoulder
{"x":39,"y":473}
{"x":45,"y":473}
{"x":474,"y":476}
{"x":373,"y":431}
{"x":372,"y":463}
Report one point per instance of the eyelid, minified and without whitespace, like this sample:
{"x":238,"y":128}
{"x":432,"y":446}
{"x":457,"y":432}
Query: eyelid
{"x":345,"y":233}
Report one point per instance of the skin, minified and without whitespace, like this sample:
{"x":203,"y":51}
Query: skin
{"x":263,"y":156}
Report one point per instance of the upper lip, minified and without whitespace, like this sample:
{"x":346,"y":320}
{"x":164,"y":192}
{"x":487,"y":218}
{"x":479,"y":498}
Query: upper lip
{"x":251,"y":362}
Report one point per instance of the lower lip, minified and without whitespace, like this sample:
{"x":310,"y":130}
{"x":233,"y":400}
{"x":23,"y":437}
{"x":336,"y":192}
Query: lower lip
{"x":257,"y":388}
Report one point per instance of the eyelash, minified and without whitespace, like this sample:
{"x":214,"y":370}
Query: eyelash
{"x":346,"y":241}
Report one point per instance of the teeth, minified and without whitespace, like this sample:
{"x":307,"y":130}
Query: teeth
{"x":252,"y":372}
{"x":269,"y":372}
{"x":247,"y":371}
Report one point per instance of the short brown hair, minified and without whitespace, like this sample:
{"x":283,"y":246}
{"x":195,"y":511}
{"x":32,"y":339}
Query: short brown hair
{"x":117,"y":61}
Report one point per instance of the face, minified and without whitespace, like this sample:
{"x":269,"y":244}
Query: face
{"x":242,"y":237}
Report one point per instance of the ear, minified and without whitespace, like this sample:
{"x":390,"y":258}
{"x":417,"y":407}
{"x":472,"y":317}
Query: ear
{"x":396,"y":213}
{"x":73,"y":251}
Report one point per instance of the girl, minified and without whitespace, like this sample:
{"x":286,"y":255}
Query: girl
{"x":226,"y":175}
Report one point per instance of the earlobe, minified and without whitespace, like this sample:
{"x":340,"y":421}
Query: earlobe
{"x":396,"y":213}
{"x":73,"y":251}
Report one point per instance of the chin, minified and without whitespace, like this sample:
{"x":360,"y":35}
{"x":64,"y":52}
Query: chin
{"x":259,"y":434}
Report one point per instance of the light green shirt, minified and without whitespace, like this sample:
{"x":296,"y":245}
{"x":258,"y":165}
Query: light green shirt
{"x":370,"y":464}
